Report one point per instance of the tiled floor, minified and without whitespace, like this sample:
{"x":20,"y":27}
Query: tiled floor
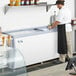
{"x":57,"y":70}
{"x":43,"y":65}
{"x":50,"y":68}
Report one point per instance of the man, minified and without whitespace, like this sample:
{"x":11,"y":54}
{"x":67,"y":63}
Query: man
{"x":64,"y":27}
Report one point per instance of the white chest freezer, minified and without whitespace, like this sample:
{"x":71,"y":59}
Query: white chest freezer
{"x":36,"y":44}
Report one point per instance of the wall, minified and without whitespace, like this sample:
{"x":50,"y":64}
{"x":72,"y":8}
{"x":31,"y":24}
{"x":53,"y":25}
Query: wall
{"x":71,"y":6}
{"x":21,"y":18}
{"x":75,"y":7}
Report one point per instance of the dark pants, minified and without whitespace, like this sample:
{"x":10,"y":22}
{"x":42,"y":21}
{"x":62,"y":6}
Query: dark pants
{"x":62,"y":42}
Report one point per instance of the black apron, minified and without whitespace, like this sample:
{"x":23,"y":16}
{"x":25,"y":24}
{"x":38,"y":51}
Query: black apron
{"x":62,"y":42}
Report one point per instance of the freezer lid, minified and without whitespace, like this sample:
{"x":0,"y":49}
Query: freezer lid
{"x":31,"y":32}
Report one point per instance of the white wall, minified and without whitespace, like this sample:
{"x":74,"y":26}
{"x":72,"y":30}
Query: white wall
{"x":25,"y":17}
{"x":71,"y":5}
{"x":17,"y":18}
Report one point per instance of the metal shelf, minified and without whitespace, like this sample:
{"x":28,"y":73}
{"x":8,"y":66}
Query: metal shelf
{"x":7,"y":7}
{"x":47,"y":6}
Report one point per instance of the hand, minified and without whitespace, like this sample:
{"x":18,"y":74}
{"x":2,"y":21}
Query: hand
{"x":49,"y":27}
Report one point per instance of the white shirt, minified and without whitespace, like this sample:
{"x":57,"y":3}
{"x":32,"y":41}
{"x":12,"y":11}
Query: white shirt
{"x":64,"y":17}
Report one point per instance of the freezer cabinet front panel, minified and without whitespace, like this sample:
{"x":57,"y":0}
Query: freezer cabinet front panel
{"x":37,"y":48}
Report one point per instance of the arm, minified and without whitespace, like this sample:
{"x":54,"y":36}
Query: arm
{"x":54,"y":24}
